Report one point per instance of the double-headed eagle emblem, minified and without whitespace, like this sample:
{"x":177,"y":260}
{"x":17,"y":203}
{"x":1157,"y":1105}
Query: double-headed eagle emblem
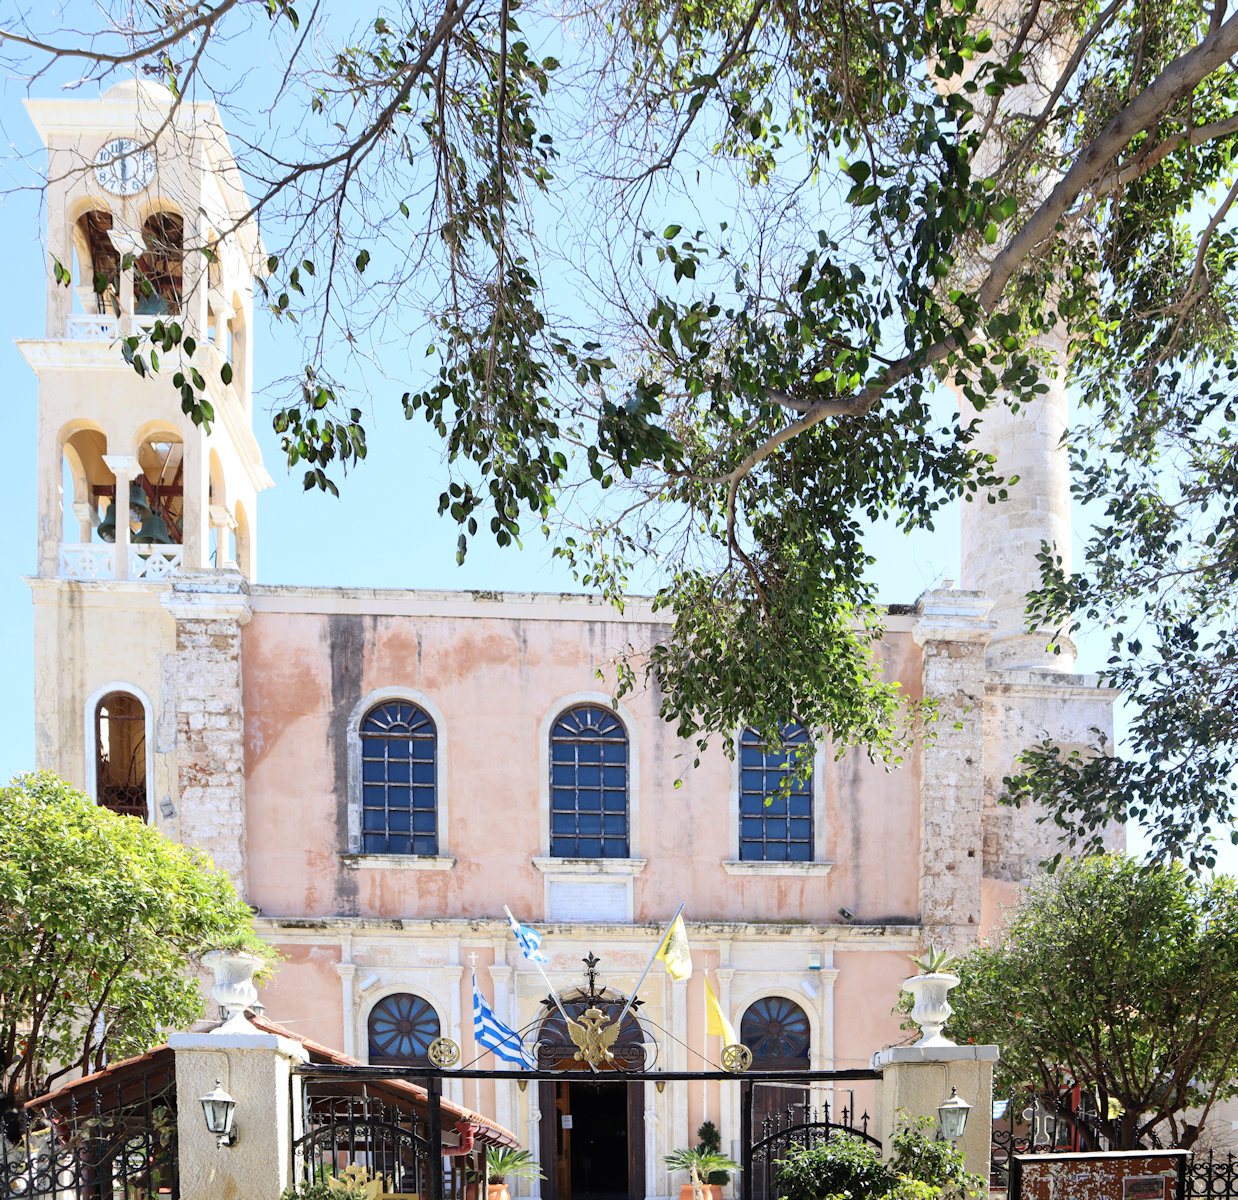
{"x":593,"y":1037}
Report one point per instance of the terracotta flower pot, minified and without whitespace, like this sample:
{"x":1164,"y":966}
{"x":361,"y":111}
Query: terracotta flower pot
{"x":496,"y":1191}
{"x":711,"y":1191}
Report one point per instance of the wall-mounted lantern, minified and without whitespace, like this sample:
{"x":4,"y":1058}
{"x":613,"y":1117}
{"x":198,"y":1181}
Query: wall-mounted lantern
{"x":220,"y":1111}
{"x":952,"y":1116}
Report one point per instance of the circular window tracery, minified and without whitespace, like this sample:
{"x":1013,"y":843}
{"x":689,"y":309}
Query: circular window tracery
{"x":401,"y":1028}
{"x":776,"y":1029}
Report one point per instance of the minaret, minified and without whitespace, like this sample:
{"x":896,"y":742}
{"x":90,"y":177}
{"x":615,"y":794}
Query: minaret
{"x":1001,"y":541}
{"x":147,"y":523}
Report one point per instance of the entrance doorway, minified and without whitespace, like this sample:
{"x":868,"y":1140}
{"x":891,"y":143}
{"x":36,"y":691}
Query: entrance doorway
{"x":595,"y":1140}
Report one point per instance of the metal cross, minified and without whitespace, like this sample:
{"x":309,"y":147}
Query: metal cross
{"x":591,"y":973}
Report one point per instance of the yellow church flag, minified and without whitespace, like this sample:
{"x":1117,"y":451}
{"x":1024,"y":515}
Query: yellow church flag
{"x":717,"y":1020}
{"x":674,"y":951}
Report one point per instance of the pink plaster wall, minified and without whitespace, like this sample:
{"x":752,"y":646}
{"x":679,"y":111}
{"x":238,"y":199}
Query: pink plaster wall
{"x":496,"y":681}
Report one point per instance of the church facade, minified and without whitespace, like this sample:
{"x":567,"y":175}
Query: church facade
{"x":383,"y":771}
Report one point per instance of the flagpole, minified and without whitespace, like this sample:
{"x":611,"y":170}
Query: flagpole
{"x":650,"y":963}
{"x":550,"y":986}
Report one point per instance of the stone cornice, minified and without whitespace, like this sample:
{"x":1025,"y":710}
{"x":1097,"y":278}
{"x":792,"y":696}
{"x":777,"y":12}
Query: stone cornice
{"x":1049,"y":685}
{"x":844,"y":937}
{"x":952,"y":615}
{"x":218,"y":596}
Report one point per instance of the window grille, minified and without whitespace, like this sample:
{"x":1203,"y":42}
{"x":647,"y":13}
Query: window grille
{"x":399,"y":813}
{"x":588,"y":785}
{"x":775,"y":822}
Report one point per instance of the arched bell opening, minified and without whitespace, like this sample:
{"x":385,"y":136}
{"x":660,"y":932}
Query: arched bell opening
{"x":161,"y":485}
{"x":160,"y":289}
{"x":97,"y":277}
{"x":87,"y":485}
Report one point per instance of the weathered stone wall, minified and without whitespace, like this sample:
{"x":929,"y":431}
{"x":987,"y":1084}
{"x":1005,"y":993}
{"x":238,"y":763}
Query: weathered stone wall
{"x":953,"y":630}
{"x":202,"y":688}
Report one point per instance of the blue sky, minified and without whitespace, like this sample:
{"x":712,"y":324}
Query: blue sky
{"x":382,"y":531}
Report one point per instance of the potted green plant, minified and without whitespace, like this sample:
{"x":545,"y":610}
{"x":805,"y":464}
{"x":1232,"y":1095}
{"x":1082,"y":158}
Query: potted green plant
{"x":700,"y":1165}
{"x":502,"y":1163}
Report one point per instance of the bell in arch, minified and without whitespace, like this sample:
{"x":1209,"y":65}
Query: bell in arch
{"x":154,"y":532}
{"x":107,"y":527}
{"x":139,"y":506}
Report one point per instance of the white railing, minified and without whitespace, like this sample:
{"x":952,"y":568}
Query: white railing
{"x":155,"y":561}
{"x":97,"y":560}
{"x":87,"y":560}
{"x":91,"y":327}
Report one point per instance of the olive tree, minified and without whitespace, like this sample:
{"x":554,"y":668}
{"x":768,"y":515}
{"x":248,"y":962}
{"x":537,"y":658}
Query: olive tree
{"x":678,"y":284}
{"x":101,"y":917}
{"x":1118,"y":977}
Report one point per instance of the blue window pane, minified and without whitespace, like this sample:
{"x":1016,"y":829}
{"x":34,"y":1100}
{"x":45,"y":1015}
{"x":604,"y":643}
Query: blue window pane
{"x":751,"y":827}
{"x":589,"y":752}
{"x":775,"y":806}
{"x":561,"y":752}
{"x":423,"y":750}
{"x":562,"y":774}
{"x":775,"y":852}
{"x":589,"y":847}
{"x":398,"y":845}
{"x":615,"y":777}
{"x":801,"y":852}
{"x":589,"y":801}
{"x":423,"y":772}
{"x":425,"y":845}
{"x":615,"y":752}
{"x":775,"y":828}
{"x":752,"y":781}
{"x":562,"y":800}
{"x":398,"y":797}
{"x":615,"y":848}
{"x":751,"y":806}
{"x":397,"y":822}
{"x":423,"y":822}
{"x":589,"y":776}
{"x":374,"y":820}
{"x":615,"y":802}
{"x":563,"y":823}
{"x":375,"y":843}
{"x":562,"y":848}
{"x":750,"y":756}
{"x":750,"y":851}
{"x":617,"y":825}
{"x":800,"y":831}
{"x":588,"y":823}
{"x":801,"y":806}
{"x":373,"y":772}
{"x":397,"y":771}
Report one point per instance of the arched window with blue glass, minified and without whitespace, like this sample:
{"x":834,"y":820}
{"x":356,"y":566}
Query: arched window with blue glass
{"x":775,"y":797}
{"x":399,"y":812}
{"x":588,"y":784}
{"x":401,"y":1028}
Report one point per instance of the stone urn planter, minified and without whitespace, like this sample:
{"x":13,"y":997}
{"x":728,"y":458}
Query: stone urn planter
{"x":930,"y":1008}
{"x":234,"y":989}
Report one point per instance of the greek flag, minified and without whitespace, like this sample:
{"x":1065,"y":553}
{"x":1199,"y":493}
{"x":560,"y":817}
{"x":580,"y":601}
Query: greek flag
{"x":492,"y":1034}
{"x":529,"y":940}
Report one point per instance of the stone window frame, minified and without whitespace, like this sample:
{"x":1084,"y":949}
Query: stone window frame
{"x":820,"y":864}
{"x":354,"y":856}
{"x":91,"y":750}
{"x":395,"y":983}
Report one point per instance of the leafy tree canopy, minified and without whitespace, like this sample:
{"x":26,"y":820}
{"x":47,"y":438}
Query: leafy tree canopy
{"x":686,"y":276}
{"x":1120,"y":978}
{"x":100,"y":916}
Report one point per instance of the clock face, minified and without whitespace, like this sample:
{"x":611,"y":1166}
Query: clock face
{"x":123,"y":168}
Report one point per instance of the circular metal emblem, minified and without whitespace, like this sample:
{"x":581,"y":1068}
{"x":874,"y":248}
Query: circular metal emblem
{"x":736,"y":1058}
{"x":443,"y":1052}
{"x":123,"y":167}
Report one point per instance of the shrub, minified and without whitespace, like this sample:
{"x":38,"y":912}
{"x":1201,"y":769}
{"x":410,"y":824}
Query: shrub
{"x":842,"y":1166}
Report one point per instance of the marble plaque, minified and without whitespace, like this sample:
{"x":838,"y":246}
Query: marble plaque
{"x":587,"y":900}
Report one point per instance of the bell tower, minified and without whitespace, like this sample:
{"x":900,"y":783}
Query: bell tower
{"x":147,"y":523}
